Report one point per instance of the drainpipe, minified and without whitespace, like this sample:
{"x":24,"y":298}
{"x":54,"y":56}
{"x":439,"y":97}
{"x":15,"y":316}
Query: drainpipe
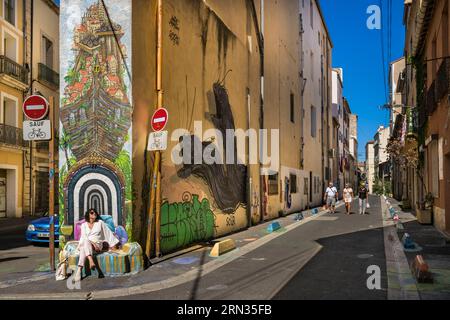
{"x":260,"y":36}
{"x":32,"y":182}
{"x":155,"y":195}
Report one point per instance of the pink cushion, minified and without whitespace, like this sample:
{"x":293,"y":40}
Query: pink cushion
{"x":77,"y":232}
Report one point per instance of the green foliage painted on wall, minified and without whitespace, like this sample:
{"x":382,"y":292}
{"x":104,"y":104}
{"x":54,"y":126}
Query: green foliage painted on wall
{"x":185,"y":223}
{"x":123,"y":161}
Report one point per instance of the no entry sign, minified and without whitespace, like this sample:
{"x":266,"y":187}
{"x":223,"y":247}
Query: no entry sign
{"x":159,"y":119}
{"x":35,"y":107}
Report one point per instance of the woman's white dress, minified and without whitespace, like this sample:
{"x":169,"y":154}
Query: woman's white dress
{"x":98,"y":234}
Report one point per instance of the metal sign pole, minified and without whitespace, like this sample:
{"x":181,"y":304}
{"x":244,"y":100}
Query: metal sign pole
{"x":52,"y":187}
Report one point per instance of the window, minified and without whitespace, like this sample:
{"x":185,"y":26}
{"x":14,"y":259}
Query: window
{"x":293,"y":183}
{"x":434,"y":165}
{"x":10,"y":46}
{"x":444,"y":39}
{"x":319,"y":37}
{"x":10,"y":11}
{"x":311,"y":13}
{"x":434,"y":56}
{"x":9,"y":115}
{"x":306,"y":186}
{"x":311,"y":63}
{"x":292,"y":109}
{"x":313,"y":122}
{"x":273,"y":184}
{"x":47,"y":52}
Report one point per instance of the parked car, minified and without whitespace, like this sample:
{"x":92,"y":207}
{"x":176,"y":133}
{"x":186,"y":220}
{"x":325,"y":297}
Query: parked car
{"x":38,"y":230}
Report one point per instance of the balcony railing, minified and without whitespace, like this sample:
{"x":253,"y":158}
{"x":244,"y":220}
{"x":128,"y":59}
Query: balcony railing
{"x":13,"y":69}
{"x":48,"y":75}
{"x":443,"y":80}
{"x":11,"y":136}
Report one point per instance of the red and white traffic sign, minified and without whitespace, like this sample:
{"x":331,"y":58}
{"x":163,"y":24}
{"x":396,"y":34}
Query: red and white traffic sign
{"x":159,"y":119}
{"x":35,"y":107}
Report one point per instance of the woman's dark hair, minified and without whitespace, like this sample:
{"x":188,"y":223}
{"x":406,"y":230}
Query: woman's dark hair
{"x":87,"y":214}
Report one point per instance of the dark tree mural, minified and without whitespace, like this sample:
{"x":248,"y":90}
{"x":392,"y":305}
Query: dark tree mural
{"x":227,"y":182}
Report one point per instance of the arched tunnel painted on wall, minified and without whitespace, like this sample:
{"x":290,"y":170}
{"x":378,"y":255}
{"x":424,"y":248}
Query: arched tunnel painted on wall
{"x":95,"y":117}
{"x":98,"y":187}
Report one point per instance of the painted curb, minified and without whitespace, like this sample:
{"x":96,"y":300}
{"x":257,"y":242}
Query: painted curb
{"x":222,"y":247}
{"x":274,"y":226}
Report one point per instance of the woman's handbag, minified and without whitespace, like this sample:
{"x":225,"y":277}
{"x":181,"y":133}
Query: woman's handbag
{"x":61,"y":272}
{"x":368,"y":206}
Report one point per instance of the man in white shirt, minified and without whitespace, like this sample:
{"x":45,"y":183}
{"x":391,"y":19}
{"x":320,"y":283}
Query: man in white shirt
{"x":331,"y":194}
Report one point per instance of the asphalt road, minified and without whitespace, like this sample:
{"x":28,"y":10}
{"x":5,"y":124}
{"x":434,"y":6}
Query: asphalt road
{"x":18,"y":258}
{"x":326,"y":258}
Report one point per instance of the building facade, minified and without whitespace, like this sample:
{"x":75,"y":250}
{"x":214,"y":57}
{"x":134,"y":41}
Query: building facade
{"x":44,"y":75}
{"x":337,"y":145}
{"x":370,"y":165}
{"x":221,"y":80}
{"x":346,"y":157}
{"x":317,"y":111}
{"x":14,"y":83}
{"x":353,"y":151}
{"x":283,"y":106}
{"x":422,"y":125}
{"x":397,"y":78}
{"x":381,"y":158}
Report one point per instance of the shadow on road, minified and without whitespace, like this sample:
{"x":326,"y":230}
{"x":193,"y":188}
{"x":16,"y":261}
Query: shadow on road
{"x":12,"y":259}
{"x":339,"y":270}
{"x":199,"y":276}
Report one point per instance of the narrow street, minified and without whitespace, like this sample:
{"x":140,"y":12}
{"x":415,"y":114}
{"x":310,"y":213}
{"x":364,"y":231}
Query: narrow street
{"x":19,"y":259}
{"x":323,"y":259}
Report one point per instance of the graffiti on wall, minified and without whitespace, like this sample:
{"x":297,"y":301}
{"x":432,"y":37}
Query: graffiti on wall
{"x":96,"y":111}
{"x":174,"y":33}
{"x":226,"y":182}
{"x":186,"y":222}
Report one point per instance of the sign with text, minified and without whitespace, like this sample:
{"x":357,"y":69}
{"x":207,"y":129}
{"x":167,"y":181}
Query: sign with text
{"x":157,"y":141}
{"x":37,"y":130}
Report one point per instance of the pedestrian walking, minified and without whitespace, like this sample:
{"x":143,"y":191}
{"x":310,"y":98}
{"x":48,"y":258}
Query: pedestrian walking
{"x":363,"y":199}
{"x":348,"y":198}
{"x":331,"y":195}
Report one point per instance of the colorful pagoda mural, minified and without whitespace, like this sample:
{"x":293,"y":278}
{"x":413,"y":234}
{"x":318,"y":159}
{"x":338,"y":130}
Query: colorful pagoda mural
{"x":96,"y":112}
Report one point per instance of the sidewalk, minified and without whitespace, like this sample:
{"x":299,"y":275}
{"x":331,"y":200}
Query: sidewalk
{"x":170,"y":271}
{"x":434,"y":246}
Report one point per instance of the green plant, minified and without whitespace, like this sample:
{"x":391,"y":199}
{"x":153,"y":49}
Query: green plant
{"x":123,"y":161}
{"x":429,"y":201}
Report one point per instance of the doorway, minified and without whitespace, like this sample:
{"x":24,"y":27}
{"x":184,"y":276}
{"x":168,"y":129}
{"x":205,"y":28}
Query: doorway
{"x":3,"y":197}
{"x":447,"y":191}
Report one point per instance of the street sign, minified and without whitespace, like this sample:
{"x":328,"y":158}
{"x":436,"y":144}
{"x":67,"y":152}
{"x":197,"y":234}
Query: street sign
{"x":159,"y":119}
{"x":35,"y":107}
{"x":157,"y":141}
{"x":37,"y":130}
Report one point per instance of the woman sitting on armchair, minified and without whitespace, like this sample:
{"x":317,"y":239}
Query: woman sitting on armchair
{"x":95,"y":237}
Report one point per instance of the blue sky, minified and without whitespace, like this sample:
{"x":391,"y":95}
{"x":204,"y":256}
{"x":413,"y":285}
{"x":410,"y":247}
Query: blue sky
{"x":358,"y":50}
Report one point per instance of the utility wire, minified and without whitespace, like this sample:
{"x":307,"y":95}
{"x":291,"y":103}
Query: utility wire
{"x":382,"y":52}
{"x":116,"y":40}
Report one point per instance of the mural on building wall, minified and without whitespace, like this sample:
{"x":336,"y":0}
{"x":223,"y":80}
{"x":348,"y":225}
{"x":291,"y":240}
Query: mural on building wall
{"x":227,"y":182}
{"x":186,"y":222}
{"x":96,"y":113}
